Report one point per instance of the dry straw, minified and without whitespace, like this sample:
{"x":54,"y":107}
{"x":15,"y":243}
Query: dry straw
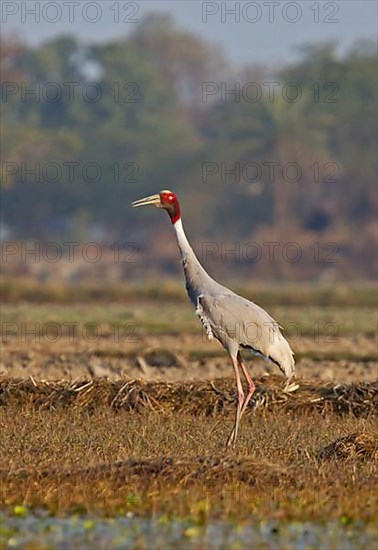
{"x":209,"y":398}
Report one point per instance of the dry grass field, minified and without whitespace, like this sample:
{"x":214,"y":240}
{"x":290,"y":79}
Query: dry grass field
{"x":128,"y":412}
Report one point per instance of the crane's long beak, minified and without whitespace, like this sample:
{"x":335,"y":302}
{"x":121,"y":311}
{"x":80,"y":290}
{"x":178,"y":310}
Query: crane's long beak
{"x":152,"y":199}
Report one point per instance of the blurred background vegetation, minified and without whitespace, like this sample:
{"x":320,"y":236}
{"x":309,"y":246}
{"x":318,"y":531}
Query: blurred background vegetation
{"x":153,"y":128}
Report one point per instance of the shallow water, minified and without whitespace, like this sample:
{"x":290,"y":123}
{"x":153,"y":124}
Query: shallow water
{"x":86,"y":532}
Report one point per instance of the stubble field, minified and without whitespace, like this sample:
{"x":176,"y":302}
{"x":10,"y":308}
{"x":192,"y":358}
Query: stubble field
{"x":114,"y":407}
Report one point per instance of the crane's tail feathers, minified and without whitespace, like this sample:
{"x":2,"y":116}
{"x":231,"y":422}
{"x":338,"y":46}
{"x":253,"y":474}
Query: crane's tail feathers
{"x":283,"y":357}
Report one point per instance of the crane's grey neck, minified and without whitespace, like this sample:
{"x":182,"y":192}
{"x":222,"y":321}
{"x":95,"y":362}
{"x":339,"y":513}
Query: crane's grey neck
{"x":195,"y":275}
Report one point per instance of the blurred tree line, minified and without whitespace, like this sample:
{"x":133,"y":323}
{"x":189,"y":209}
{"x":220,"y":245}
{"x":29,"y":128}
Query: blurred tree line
{"x":256,"y":154}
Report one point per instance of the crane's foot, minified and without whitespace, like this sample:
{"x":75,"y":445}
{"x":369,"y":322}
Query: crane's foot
{"x":231,"y":441}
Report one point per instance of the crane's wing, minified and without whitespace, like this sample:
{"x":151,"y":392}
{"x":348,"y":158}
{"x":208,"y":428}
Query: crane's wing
{"x":232,"y":316}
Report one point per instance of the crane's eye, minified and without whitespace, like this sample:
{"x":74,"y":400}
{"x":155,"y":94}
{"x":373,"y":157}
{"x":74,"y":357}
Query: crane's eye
{"x":167,"y":197}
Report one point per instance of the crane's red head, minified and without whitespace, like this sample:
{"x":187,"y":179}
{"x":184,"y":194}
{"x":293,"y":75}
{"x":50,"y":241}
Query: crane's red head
{"x":165,"y":199}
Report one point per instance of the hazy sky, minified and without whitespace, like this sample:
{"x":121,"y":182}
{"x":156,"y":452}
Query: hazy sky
{"x":259,"y":31}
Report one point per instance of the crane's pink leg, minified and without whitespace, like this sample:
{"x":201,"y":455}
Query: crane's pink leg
{"x":241,"y":398}
{"x":251,"y":385}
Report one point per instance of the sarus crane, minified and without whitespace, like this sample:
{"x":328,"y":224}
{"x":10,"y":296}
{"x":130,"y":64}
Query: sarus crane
{"x":233,"y":320}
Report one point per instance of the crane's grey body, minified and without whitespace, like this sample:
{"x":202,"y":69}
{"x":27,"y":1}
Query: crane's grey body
{"x":234,"y":321}
{"x":230,"y":318}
